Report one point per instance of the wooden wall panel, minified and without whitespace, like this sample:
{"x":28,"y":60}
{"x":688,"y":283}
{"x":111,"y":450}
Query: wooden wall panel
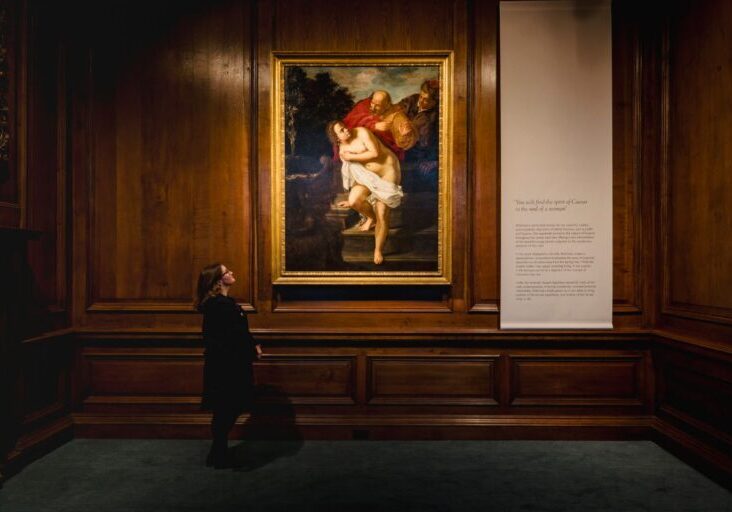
{"x":578,"y":381}
{"x":435,"y":380}
{"x":47,"y":202}
{"x":484,"y":160}
{"x":371,"y":380}
{"x":626,"y":158}
{"x":13,"y":101}
{"x":695,"y":402}
{"x":170,"y":175}
{"x":703,"y":397}
{"x":42,"y":400}
{"x":308,"y":379}
{"x":45,"y":378}
{"x":140,"y":380}
{"x":697,"y":178}
{"x":143,"y":375}
{"x":169,"y":379}
{"x":696,"y":390}
{"x":317,"y":25}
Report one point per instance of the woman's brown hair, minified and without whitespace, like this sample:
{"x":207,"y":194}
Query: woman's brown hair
{"x":330,"y":132}
{"x":209,"y":284}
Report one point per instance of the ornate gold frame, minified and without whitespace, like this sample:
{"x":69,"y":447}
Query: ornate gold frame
{"x":443,"y":274}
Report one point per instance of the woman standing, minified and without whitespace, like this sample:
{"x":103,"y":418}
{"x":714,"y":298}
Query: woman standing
{"x":228,"y":379}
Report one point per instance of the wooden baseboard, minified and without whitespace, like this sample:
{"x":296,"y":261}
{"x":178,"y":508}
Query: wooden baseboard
{"x":36,"y":444}
{"x":370,"y":427}
{"x":706,"y":458}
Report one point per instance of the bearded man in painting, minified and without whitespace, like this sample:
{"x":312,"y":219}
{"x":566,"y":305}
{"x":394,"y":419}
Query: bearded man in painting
{"x":385,"y":120}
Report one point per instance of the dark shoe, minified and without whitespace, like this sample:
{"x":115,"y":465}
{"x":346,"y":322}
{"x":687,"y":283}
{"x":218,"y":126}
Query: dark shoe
{"x":223,"y":461}
{"x":217,"y":455}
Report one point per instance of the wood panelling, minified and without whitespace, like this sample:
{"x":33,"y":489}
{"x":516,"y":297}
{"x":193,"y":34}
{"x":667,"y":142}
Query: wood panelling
{"x":418,"y":380}
{"x":164,"y":372}
{"x":716,"y":463}
{"x":697,"y":179}
{"x":16,"y":305}
{"x":13,"y":104}
{"x":702,"y":397}
{"x":483,"y":159}
{"x":308,"y":379}
{"x":573,"y":381}
{"x":47,"y":201}
{"x":626,"y":157}
{"x":146,"y":380}
{"x":170,"y":175}
{"x":435,"y":380}
{"x":650,"y":62}
{"x":367,"y":426}
{"x":696,"y":390}
{"x":315,"y":25}
{"x":45,"y":379}
{"x":140,"y":381}
{"x":10,"y":214}
{"x":171,"y":156}
{"x":41,"y":416}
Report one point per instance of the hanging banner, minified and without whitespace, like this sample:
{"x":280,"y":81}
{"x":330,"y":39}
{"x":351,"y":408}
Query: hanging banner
{"x":556,"y":165}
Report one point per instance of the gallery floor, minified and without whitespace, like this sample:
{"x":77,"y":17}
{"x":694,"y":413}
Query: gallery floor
{"x":161,"y":475}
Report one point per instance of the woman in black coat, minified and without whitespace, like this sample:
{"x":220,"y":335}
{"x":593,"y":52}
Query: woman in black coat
{"x":228,"y":379}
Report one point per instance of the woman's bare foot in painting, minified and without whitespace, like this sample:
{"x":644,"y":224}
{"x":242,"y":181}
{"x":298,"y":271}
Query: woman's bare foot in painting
{"x":367,"y":224}
{"x":378,"y":257}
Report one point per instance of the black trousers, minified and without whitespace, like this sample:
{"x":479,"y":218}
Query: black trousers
{"x":222,"y":422}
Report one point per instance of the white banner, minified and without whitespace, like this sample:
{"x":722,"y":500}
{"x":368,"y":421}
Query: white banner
{"x":556,"y":165}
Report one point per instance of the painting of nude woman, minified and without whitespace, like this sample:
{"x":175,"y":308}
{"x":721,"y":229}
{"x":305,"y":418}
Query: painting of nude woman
{"x":361,"y":169}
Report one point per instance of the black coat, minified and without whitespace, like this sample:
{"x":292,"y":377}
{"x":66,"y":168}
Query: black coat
{"x":229,"y":352}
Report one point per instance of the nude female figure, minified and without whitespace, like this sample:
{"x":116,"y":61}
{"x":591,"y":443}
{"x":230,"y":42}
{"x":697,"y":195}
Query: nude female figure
{"x":373,"y":181}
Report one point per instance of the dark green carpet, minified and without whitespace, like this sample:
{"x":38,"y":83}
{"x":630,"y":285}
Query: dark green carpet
{"x":131,"y":475}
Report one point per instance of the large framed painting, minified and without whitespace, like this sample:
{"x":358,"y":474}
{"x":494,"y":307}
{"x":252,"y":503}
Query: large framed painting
{"x":361,"y":154}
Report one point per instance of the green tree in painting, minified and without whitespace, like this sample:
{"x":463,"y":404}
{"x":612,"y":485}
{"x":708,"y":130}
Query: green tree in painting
{"x":309,"y":104}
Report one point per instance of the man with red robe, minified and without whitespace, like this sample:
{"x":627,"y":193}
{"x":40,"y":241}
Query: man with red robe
{"x":385,"y":120}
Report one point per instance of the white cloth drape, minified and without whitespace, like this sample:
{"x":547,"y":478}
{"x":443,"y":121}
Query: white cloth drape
{"x":388,"y":193}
